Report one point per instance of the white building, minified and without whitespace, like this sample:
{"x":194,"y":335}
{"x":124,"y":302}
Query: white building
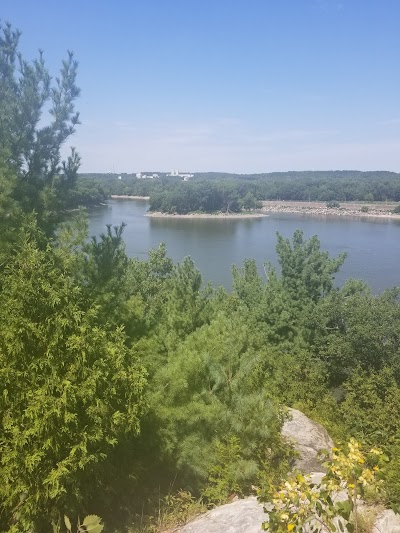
{"x":141,"y":176}
{"x":186,"y":176}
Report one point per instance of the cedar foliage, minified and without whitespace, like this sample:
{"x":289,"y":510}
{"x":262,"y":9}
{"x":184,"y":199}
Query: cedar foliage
{"x":70,"y":389}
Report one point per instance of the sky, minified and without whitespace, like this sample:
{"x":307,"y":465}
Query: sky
{"x":239,"y":86}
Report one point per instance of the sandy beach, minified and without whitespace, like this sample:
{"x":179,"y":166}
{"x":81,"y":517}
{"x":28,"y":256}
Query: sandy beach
{"x":125,"y":197}
{"x":158,"y":214}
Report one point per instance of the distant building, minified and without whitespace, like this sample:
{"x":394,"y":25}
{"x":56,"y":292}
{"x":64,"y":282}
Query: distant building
{"x":141,"y":176}
{"x":186,"y":176}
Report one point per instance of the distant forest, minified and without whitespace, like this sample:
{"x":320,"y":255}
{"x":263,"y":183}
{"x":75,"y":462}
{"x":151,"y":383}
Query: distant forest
{"x":215,"y":191}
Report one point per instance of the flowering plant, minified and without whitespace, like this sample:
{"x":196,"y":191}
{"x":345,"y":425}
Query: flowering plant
{"x":300,"y":505}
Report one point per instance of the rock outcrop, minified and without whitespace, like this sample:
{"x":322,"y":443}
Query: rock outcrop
{"x":387,"y":522}
{"x":308,"y":438}
{"x":241,"y":516}
{"x":247,"y":516}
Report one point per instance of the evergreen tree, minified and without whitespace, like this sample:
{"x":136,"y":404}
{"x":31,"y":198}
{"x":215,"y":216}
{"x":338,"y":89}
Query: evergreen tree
{"x":32,"y":176}
{"x":71,"y":390}
{"x":306,"y":271}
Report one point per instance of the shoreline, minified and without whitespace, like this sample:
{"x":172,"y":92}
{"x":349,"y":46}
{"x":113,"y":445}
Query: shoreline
{"x":221,"y":216}
{"x":126,"y":197}
{"x":330,"y":212}
{"x":351,"y":210}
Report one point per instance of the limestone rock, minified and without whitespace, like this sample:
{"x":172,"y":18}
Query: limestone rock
{"x":241,"y":516}
{"x":387,"y":522}
{"x":309,"y":438}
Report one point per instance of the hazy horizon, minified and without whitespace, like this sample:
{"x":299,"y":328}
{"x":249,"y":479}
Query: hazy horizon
{"x":152,"y":171}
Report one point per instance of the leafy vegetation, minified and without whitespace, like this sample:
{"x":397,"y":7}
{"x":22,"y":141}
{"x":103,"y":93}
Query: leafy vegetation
{"x":299,"y":503}
{"x":333,"y":204}
{"x":90,"y":523}
{"x":126,"y":382}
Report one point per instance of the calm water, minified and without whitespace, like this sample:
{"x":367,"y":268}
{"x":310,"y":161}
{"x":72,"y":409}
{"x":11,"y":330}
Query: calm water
{"x":372,"y":245}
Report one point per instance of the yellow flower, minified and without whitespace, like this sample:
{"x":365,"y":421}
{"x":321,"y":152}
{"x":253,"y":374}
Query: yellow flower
{"x":290,"y":527}
{"x":375,"y":451}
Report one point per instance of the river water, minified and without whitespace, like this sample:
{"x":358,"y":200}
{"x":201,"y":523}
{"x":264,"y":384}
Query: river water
{"x":372,"y":245}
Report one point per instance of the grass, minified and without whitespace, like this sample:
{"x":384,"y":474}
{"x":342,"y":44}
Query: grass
{"x":366,"y":517}
{"x":173,"y":511}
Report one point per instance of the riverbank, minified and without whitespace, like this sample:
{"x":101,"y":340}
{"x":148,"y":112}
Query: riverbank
{"x":346,"y":209}
{"x":126,"y":197}
{"x":349,"y":209}
{"x":158,"y":214}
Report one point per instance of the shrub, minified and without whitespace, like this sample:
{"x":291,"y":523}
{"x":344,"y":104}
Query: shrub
{"x":90,"y":523}
{"x":364,"y":209}
{"x":71,"y":390}
{"x":299,"y":502}
{"x":224,"y":476}
{"x":332,"y":204}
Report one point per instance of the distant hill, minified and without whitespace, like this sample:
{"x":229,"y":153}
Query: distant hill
{"x":312,"y":185}
{"x":291,"y":174}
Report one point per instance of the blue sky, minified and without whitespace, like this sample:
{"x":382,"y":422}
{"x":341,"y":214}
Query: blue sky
{"x":226,"y":85}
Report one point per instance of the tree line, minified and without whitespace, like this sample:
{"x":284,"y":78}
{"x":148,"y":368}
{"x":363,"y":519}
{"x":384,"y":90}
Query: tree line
{"x":211,"y":192}
{"x":123,"y":380}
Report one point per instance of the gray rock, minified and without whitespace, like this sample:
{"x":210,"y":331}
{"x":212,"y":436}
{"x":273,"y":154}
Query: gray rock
{"x":308,"y":438}
{"x":246,"y":516}
{"x":387,"y":522}
{"x":241,"y":516}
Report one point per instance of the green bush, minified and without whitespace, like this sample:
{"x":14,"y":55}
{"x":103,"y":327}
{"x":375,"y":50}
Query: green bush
{"x":70,"y":391}
{"x":90,"y":523}
{"x":332,"y":204}
{"x":364,"y":209}
{"x":371,"y":410}
{"x":225,"y":474}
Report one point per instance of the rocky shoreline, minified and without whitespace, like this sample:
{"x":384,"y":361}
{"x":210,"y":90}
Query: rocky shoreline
{"x":303,"y":210}
{"x":326,"y":211}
